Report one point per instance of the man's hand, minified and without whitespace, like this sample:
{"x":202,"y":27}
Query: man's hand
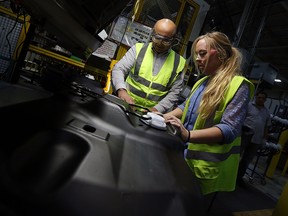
{"x":122,"y":93}
{"x":153,"y":109}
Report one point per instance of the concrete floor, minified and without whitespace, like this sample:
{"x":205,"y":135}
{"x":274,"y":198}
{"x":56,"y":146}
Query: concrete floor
{"x":272,"y":187}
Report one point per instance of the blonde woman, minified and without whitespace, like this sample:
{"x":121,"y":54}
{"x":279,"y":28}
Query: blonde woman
{"x":210,"y":120}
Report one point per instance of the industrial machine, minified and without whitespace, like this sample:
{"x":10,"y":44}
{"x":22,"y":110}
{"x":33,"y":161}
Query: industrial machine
{"x":88,"y":154}
{"x":67,"y":148}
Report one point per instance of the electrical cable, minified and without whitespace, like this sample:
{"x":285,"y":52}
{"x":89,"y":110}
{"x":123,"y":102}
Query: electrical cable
{"x":86,"y":91}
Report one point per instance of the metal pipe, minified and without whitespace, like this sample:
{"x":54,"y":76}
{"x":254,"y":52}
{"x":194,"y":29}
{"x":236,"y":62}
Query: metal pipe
{"x":259,"y":32}
{"x":242,"y":23}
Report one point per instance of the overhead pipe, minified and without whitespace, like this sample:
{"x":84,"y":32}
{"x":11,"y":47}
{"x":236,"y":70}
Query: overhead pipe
{"x":260,"y":29}
{"x":257,"y":38}
{"x":243,"y":22}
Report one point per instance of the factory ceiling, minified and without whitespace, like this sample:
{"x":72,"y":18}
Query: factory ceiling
{"x":259,"y":27}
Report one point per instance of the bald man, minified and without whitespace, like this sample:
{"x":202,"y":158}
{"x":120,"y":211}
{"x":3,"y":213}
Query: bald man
{"x":151,"y":75}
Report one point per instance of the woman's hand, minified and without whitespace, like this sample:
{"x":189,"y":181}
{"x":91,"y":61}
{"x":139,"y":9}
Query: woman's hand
{"x":176,"y":122}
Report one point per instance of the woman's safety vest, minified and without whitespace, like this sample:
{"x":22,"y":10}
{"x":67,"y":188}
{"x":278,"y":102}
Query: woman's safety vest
{"x":215,"y":164}
{"x":147,"y":90}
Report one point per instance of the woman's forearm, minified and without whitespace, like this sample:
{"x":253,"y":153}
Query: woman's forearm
{"x":176,"y":112}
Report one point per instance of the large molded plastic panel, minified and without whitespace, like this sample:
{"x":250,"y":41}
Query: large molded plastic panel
{"x":78,"y":156}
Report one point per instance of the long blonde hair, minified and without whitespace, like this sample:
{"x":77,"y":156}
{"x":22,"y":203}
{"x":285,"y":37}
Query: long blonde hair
{"x":230,"y":59}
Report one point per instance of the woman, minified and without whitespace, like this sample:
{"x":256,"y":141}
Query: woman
{"x":212,"y":115}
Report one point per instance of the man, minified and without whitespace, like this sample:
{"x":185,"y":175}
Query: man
{"x":150,"y":75}
{"x":254,"y":132}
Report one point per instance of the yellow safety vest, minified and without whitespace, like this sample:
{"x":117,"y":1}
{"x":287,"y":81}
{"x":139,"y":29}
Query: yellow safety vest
{"x":215,"y":164}
{"x":147,"y":90}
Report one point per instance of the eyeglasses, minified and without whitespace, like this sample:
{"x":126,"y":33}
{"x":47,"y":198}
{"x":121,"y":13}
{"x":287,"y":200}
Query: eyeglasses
{"x":161,"y":39}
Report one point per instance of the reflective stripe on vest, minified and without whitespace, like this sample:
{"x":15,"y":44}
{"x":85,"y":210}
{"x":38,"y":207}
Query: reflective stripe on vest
{"x":140,"y":58}
{"x":135,"y":76}
{"x":144,"y":95}
{"x":220,"y":153}
{"x":210,"y":156}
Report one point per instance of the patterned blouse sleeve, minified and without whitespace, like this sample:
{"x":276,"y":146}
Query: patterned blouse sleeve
{"x":234,"y":115}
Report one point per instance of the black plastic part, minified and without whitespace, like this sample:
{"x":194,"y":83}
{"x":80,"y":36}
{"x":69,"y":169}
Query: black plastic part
{"x":66,"y":156}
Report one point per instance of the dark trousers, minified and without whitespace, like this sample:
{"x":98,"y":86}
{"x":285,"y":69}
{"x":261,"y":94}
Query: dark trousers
{"x":248,"y":152}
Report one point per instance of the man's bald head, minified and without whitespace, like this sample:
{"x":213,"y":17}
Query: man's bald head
{"x":165,"y":27}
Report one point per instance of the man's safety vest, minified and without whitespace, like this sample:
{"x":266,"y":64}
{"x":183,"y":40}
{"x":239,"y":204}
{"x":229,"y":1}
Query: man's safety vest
{"x":215,"y":164}
{"x":147,"y":90}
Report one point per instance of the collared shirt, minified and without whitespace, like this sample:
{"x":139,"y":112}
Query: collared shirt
{"x":124,"y":66}
{"x":257,"y":119}
{"x":233,"y":116}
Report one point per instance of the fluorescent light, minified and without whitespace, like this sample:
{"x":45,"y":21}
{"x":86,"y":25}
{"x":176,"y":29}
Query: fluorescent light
{"x":277,"y":80}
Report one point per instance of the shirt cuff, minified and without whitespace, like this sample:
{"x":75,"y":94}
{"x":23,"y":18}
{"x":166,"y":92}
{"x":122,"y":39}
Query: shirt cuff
{"x":228,"y":135}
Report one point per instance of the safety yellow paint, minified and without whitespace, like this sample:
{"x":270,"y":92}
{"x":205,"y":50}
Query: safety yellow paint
{"x":108,"y":88}
{"x":281,"y":208}
{"x":273,"y":164}
{"x":262,"y":212}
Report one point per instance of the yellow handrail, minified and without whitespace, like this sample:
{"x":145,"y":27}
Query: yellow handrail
{"x":51,"y":54}
{"x":108,"y":88}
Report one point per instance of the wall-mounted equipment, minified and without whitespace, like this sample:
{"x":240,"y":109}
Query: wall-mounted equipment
{"x":263,"y":71}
